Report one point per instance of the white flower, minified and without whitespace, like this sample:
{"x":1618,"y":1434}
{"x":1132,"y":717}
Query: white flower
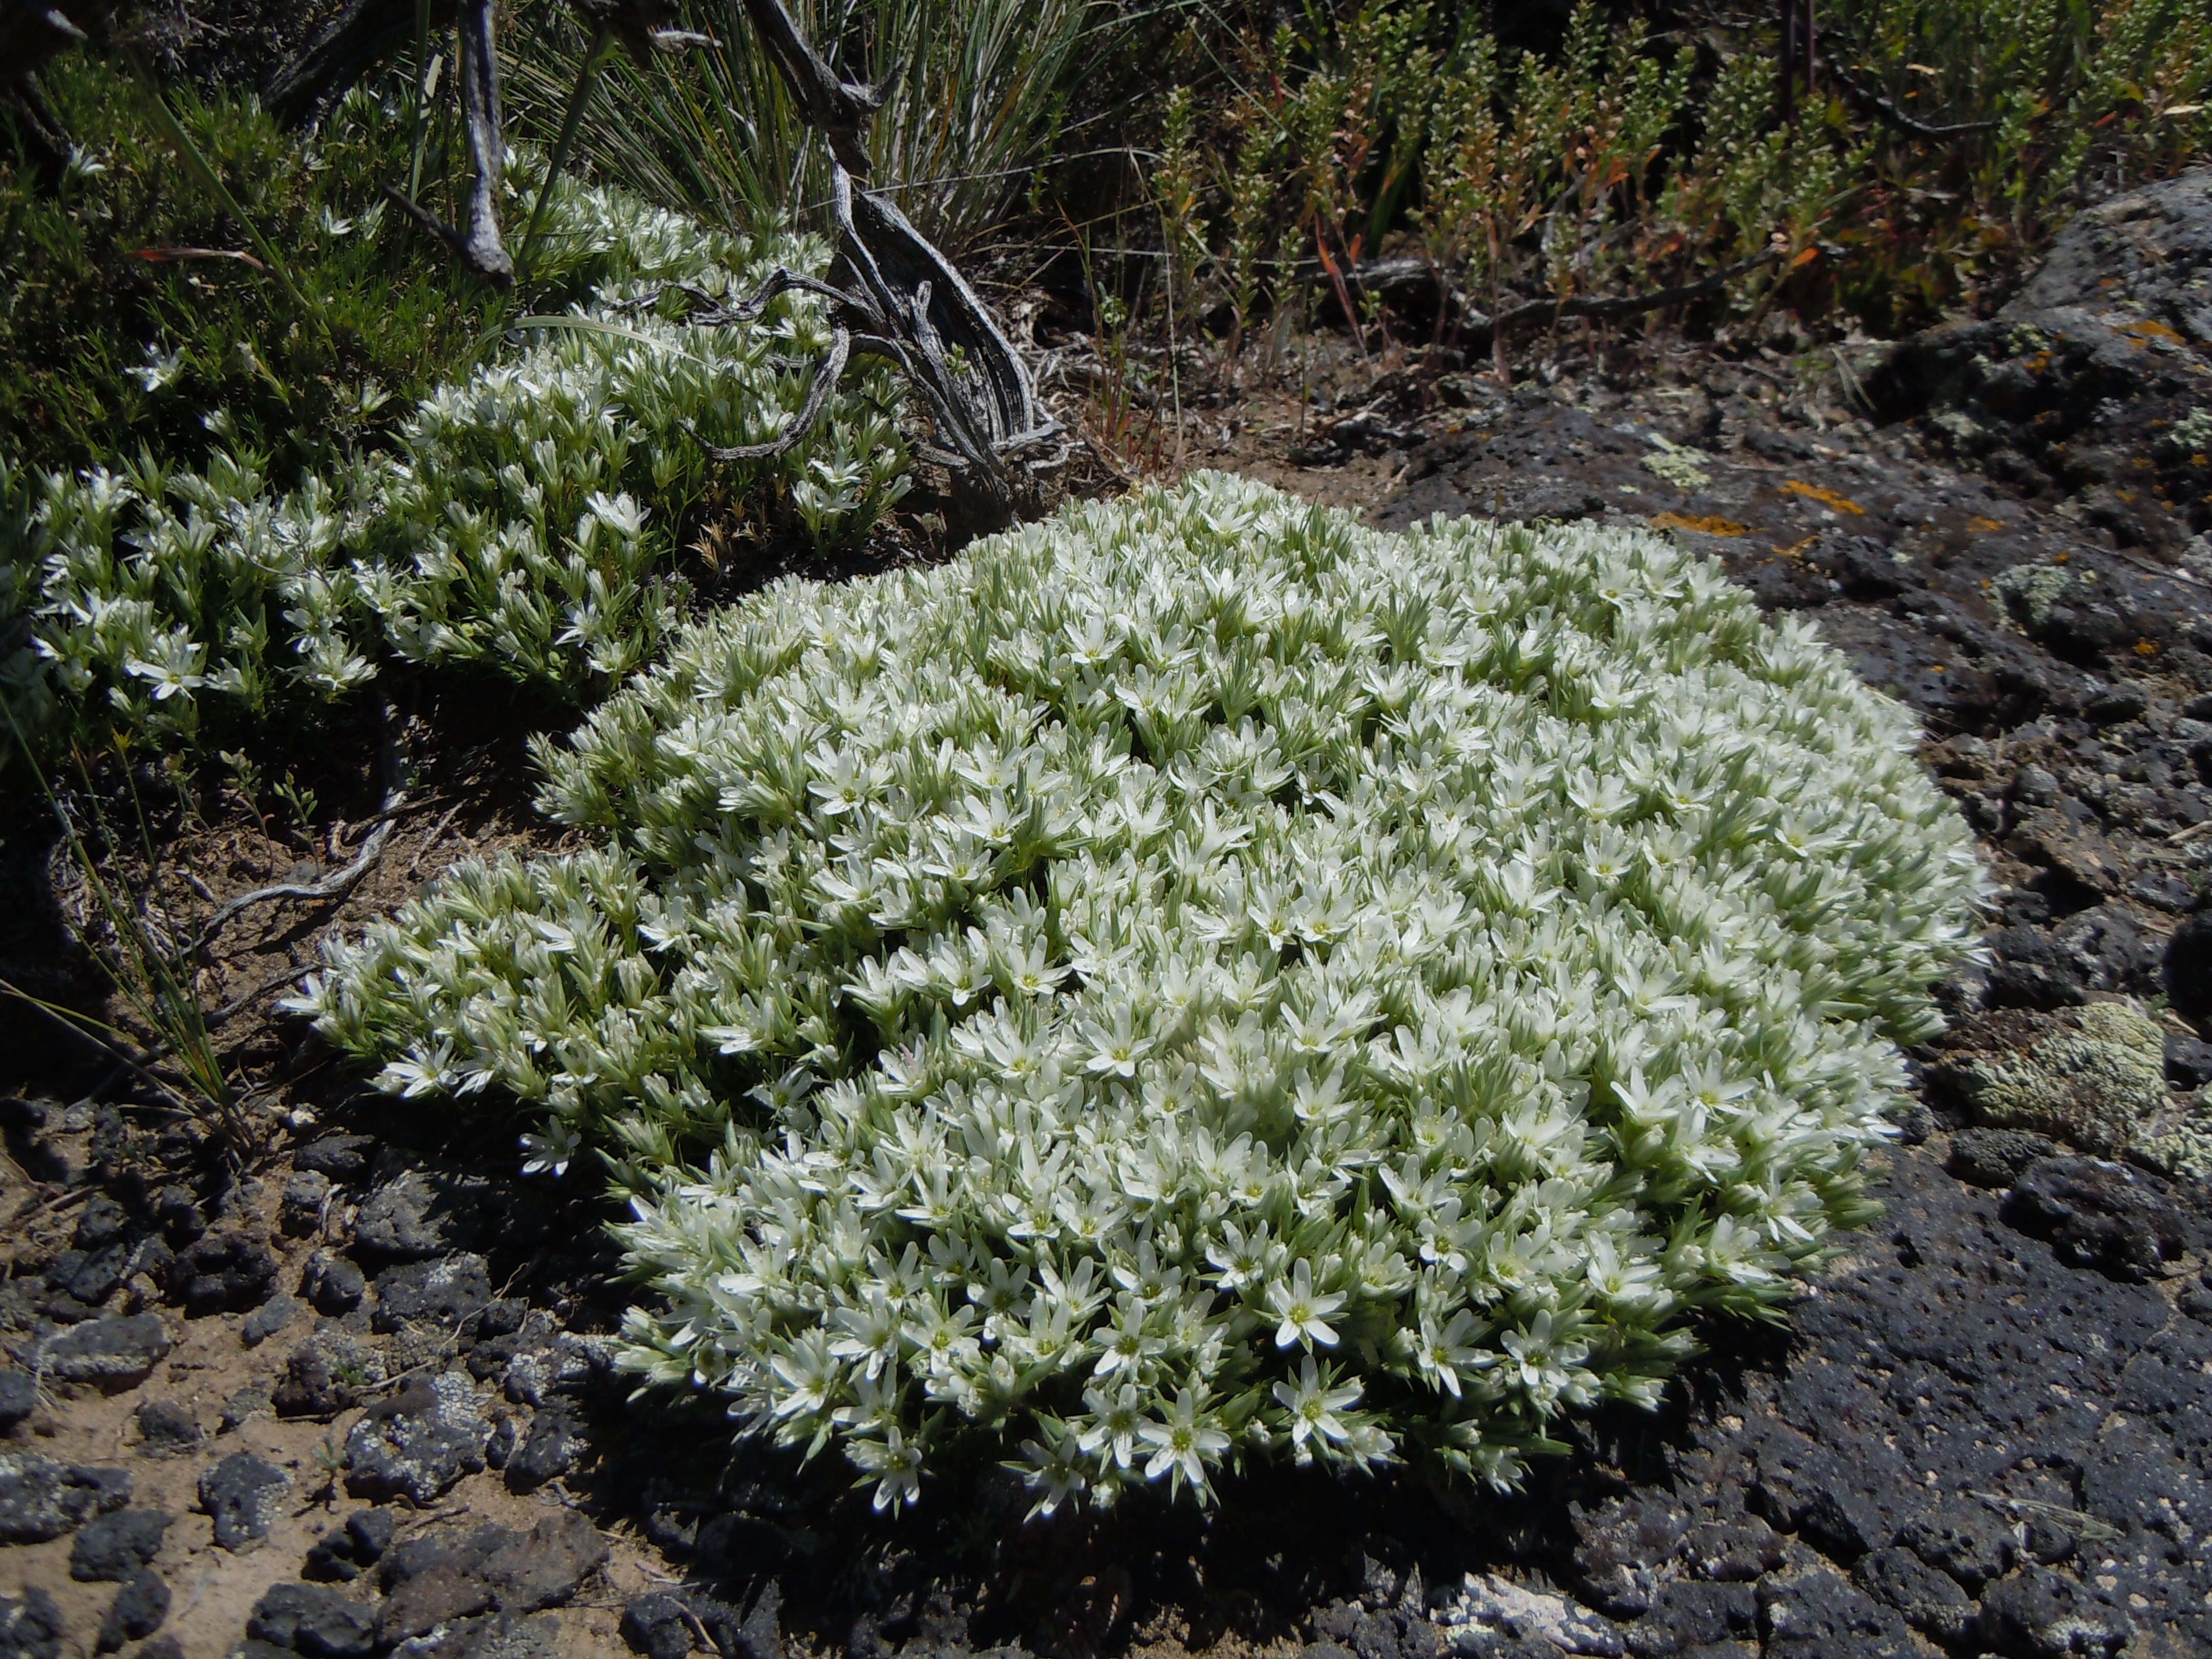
{"x":1183,"y":1444}
{"x":895,"y":1463}
{"x":1302,"y":1310}
{"x":551,"y":1152}
{"x":1314,"y":1402}
{"x":160,"y":369}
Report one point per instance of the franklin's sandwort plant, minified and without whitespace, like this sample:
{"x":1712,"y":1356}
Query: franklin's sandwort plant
{"x":1199,"y":978}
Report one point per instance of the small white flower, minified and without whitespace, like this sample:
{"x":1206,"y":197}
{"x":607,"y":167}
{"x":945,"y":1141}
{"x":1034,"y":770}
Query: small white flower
{"x":551,"y":1152}
{"x":1303,"y":1311}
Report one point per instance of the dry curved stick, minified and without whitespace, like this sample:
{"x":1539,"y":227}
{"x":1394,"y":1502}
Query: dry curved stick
{"x":826,"y":375}
{"x":332,"y":886}
{"x":1882,"y":105}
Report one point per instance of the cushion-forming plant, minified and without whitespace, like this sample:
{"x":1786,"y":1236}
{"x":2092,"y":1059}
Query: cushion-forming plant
{"x":507,"y":527}
{"x":1198,"y":977}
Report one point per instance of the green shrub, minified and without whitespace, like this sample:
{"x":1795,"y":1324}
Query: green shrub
{"x":1198,"y":977}
{"x":525,"y":518}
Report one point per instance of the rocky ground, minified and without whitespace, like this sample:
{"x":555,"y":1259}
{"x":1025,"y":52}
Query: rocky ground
{"x":355,"y":1399}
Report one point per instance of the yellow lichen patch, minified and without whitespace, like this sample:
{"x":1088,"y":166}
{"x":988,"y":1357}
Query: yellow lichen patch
{"x":1982,"y":526}
{"x":1795,"y":550}
{"x":2146,"y":647}
{"x":2147,"y":329}
{"x":1825,"y":497}
{"x":1703,"y":523}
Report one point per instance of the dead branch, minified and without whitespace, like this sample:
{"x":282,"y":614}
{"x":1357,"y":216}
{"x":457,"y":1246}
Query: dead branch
{"x":1882,"y":105}
{"x":332,"y":886}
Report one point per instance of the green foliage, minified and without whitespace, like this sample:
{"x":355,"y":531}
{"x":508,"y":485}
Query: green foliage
{"x":132,"y":315}
{"x":2057,"y":97}
{"x":976,"y":92}
{"x":506,"y":524}
{"x":1574,"y":175}
{"x":1626,"y":160}
{"x":1197,"y":978}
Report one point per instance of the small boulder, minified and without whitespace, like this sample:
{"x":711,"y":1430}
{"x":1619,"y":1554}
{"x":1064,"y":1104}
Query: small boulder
{"x":338,"y":1157}
{"x":543,"y":1567}
{"x":315,"y":1620}
{"x":137,"y":1613}
{"x":40,"y":1498}
{"x":331,"y":1284}
{"x":30,"y":1626}
{"x":418,"y":1218}
{"x":19,"y":1397}
{"x":418,"y":1443}
{"x":1996,"y":1157}
{"x":328,"y":1373}
{"x":115,"y":1547}
{"x":549,"y":1451}
{"x":241,"y":1494}
{"x":271,"y":1317}
{"x":300,"y":1209}
{"x":112,"y":1354}
{"x":442,"y":1595}
{"x":166,"y":1428}
{"x":2099,"y":1215}
{"x":2187,"y":970}
{"x":442,"y":1292}
{"x":223,"y":1273}
{"x":2042,"y":1615}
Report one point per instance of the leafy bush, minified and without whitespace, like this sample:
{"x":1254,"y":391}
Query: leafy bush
{"x":507,"y":524}
{"x":131,"y":304}
{"x":1945,"y":143}
{"x":1198,"y":977}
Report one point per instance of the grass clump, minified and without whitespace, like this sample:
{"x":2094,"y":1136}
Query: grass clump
{"x":1197,"y":978}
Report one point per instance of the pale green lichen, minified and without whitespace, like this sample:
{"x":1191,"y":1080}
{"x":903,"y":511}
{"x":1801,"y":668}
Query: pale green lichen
{"x":2099,"y":1081}
{"x":1679,"y":464}
{"x":2031,"y":592}
{"x":2189,"y":435}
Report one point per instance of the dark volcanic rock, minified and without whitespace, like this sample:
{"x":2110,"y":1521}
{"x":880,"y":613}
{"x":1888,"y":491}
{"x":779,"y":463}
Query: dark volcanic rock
{"x":345,"y":1552}
{"x":19,"y":1397}
{"x":418,"y":1217}
{"x":2187,"y":972}
{"x":112,"y":1353}
{"x":2099,"y":1214}
{"x":136,"y":1611}
{"x":115,"y":1547}
{"x":331,"y":1284}
{"x":2042,"y":1615}
{"x":440,"y":1595}
{"x":166,"y":1428}
{"x":549,"y":1451}
{"x":442,"y":1292}
{"x":271,"y":1317}
{"x":418,"y":1443}
{"x":300,"y":1208}
{"x":314,"y":1620}
{"x":222,"y":1272}
{"x":541,"y":1568}
{"x":1996,"y":1157}
{"x":340,"y":1157}
{"x":1819,"y":1616}
{"x":328,"y":1373}
{"x":40,"y":1498}
{"x":241,"y":1494}
{"x":658,"y":1624}
{"x":1931,"y":1601}
{"x":30,"y":1626}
